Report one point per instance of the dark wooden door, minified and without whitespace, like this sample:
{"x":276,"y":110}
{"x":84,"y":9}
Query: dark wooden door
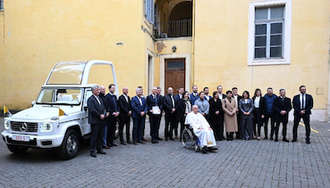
{"x":175,"y":73}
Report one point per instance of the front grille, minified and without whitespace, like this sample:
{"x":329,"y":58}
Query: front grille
{"x":17,"y":126}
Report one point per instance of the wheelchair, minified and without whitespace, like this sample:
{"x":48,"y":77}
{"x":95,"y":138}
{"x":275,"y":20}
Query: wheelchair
{"x":189,"y":139}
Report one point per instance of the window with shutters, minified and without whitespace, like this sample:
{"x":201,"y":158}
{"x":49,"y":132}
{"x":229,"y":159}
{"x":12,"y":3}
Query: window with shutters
{"x":149,"y":10}
{"x":269,"y":32}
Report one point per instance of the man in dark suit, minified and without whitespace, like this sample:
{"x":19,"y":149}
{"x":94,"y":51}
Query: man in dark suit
{"x":206,"y":92}
{"x":269,"y":113}
{"x":112,"y":107}
{"x":155,"y":106}
{"x":105,"y":125}
{"x":194,"y":95}
{"x":169,"y":105}
{"x":282,"y":106}
{"x":180,"y":93}
{"x":159,"y":91}
{"x":124,"y":116}
{"x":302,"y":105}
{"x":237,"y":98}
{"x":96,"y":114}
{"x":139,"y":110}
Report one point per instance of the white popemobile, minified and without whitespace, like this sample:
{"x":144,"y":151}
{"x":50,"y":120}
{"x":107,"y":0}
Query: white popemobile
{"x":59,"y":117}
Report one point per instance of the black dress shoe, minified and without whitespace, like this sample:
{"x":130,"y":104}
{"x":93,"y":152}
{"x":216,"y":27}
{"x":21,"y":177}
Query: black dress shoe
{"x":123,"y":143}
{"x":285,"y":140}
{"x":171,"y":138}
{"x":266,"y":138}
{"x":93,"y":154}
{"x":156,"y":141}
{"x":129,"y":142}
{"x":134,"y":143}
{"x":140,"y":142}
{"x":166,"y":139}
{"x":101,"y":152}
{"x":159,"y":138}
{"x":294,"y":140}
{"x":109,"y":145}
{"x":308,"y":141}
{"x":271,"y":138}
{"x":113,"y":144}
{"x":276,"y":140}
{"x":153,"y":142}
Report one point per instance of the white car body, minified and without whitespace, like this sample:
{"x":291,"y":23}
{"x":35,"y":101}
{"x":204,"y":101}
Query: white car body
{"x":41,"y":126}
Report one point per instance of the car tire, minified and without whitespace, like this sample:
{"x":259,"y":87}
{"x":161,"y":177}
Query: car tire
{"x":17,"y":149}
{"x":70,"y":145}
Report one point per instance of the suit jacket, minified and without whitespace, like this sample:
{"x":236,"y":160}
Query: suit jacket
{"x":167,"y":103}
{"x":111,"y":103}
{"x":193,"y":98}
{"x":137,"y":108}
{"x":262,"y":104}
{"x":95,"y":110}
{"x":181,"y":109}
{"x":280,"y":105}
{"x":151,"y":101}
{"x":124,"y":106}
{"x":177,"y":97}
{"x":246,"y":107}
{"x":308,"y":104}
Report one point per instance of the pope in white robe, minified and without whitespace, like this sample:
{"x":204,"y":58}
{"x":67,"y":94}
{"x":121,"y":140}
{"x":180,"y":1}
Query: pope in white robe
{"x":201,"y":128}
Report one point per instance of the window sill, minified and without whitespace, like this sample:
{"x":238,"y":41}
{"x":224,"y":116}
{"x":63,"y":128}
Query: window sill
{"x":149,"y":24}
{"x":268,"y":62}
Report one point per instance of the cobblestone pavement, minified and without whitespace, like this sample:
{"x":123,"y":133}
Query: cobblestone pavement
{"x":238,"y":163}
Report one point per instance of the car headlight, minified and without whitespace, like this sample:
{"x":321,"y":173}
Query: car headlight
{"x":6,"y":124}
{"x":47,"y":127}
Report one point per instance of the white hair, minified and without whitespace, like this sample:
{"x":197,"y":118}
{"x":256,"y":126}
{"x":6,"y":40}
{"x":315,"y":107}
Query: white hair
{"x":95,"y":87}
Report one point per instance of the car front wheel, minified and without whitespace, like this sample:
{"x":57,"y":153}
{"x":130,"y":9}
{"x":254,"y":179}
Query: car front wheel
{"x":70,"y":145}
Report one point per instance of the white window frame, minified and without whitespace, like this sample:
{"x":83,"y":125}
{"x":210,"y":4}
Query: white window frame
{"x":286,"y":45}
{"x":149,"y":11}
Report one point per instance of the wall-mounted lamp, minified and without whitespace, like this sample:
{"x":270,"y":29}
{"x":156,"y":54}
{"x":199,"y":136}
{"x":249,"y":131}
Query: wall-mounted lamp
{"x":174,"y":49}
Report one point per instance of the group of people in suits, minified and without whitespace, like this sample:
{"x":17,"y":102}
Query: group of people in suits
{"x":244,"y":116}
{"x":230,"y":113}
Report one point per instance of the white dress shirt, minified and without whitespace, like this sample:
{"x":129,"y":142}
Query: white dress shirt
{"x":256,"y":102}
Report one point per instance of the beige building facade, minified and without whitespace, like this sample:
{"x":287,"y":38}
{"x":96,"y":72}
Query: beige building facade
{"x":244,"y":43}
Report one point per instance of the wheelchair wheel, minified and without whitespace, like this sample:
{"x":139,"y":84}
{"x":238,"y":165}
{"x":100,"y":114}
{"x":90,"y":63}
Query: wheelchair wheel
{"x":187,"y":139}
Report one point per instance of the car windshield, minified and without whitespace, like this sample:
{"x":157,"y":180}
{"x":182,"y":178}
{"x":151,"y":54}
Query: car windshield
{"x":60,"y":96}
{"x":66,"y":73}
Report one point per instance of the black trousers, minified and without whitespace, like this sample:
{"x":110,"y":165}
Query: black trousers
{"x":306,"y":119}
{"x":96,"y":137}
{"x":170,"y":123}
{"x":218,"y":131}
{"x":257,"y":122}
{"x":238,"y":117}
{"x":272,"y":125}
{"x":111,"y":129}
{"x":154,"y":125}
{"x":277,"y":126}
{"x":122,"y":122}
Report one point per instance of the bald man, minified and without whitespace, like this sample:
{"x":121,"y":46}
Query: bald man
{"x":124,"y":104}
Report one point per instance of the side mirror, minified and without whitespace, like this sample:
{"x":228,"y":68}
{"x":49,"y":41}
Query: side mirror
{"x":33,"y":103}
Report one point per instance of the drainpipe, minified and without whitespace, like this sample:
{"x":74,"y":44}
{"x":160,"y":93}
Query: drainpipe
{"x":193,"y":45}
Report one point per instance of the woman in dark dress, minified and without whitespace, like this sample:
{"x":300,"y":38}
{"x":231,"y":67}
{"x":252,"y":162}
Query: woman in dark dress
{"x":184,"y":106}
{"x":215,"y":116}
{"x":258,"y":113}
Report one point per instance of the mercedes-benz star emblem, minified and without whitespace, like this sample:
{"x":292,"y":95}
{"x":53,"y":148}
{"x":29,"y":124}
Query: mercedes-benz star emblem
{"x":23,"y":127}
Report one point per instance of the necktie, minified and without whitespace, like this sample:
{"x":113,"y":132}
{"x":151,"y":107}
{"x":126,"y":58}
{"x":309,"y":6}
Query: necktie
{"x":140,"y":100}
{"x":283,"y":99}
{"x":114,"y":102}
{"x":302,"y":102}
{"x":172,"y":101}
{"x":126,"y":98}
{"x":98,"y":100}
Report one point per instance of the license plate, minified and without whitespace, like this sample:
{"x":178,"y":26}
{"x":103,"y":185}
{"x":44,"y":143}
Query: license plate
{"x":21,"y":138}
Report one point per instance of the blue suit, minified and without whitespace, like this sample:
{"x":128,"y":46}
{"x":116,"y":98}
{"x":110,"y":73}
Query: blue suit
{"x":193,"y":98}
{"x":138,"y":120}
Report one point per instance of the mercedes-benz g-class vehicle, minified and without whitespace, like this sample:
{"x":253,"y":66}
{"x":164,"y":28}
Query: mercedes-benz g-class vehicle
{"x":58,"y":118}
